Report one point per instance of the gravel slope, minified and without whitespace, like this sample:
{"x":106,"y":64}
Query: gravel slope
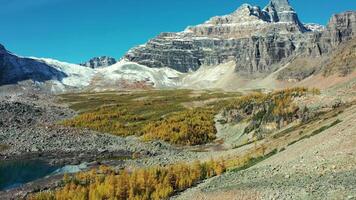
{"x":321,"y":167}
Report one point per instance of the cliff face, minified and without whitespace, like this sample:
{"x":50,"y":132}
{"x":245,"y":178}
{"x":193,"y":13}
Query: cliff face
{"x":341,"y":27}
{"x":258,"y":40}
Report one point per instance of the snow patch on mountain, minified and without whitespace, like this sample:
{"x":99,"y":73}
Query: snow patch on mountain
{"x":77,"y":76}
{"x":315,"y":27}
{"x":124,"y":70}
{"x":80,"y":77}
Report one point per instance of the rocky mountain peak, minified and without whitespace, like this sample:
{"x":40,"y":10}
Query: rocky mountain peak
{"x":102,"y":61}
{"x":282,"y":11}
{"x":248,"y":20}
{"x":281,"y":5}
{"x":246,"y":13}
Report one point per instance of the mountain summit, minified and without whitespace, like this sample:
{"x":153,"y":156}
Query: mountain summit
{"x":281,"y":6}
{"x":249,"y":20}
{"x":282,"y":11}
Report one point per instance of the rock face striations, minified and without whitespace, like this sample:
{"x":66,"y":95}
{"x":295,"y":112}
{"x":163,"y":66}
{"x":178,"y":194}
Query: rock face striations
{"x":102,"y":61}
{"x":258,"y":40}
{"x":281,"y":11}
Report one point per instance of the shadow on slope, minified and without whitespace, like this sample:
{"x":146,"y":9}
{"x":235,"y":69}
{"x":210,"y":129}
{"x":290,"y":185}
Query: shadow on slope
{"x":14,"y":69}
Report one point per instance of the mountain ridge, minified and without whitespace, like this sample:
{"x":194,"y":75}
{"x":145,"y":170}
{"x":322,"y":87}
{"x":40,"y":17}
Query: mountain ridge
{"x":254,"y":42}
{"x":256,"y":39}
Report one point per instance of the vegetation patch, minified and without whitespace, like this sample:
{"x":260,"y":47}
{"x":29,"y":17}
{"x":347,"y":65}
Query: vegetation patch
{"x":160,"y":114}
{"x":3,"y":147}
{"x":191,"y":127}
{"x":253,"y":161}
{"x":286,"y":131}
{"x":154,"y":114}
{"x":324,"y":128}
{"x":244,"y":144}
{"x":268,"y":112}
{"x":316,"y":132}
{"x":144,"y":184}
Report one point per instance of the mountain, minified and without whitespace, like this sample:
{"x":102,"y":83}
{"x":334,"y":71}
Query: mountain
{"x":14,"y":69}
{"x":258,"y":40}
{"x":332,"y":47}
{"x":48,"y":74}
{"x":248,"y":49}
{"x":102,"y":61}
{"x":57,"y":76}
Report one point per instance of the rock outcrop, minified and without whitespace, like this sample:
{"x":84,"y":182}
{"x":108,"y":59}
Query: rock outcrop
{"x":258,"y":40}
{"x":102,"y":61}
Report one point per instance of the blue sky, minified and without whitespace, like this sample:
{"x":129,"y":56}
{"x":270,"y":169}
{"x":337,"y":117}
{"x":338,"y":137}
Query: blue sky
{"x":76,"y":30}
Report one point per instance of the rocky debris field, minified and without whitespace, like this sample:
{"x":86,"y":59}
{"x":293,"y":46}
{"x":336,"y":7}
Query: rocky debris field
{"x":29,"y":129}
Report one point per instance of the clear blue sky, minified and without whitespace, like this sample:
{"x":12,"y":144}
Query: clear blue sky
{"x":76,"y":30}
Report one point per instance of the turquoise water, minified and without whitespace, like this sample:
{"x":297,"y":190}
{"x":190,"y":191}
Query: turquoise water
{"x":16,"y":173}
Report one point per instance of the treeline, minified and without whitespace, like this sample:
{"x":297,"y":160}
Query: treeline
{"x":146,"y":183}
{"x":124,"y":119}
{"x":190,"y":127}
{"x":151,"y":114}
{"x":108,"y":120}
{"x":164,"y":117}
{"x":140,"y":184}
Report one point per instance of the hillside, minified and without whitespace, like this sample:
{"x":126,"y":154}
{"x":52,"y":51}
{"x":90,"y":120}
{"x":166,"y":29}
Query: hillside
{"x":321,"y":167}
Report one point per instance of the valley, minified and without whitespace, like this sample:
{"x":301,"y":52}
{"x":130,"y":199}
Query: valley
{"x":255,"y":104}
{"x":129,"y":148}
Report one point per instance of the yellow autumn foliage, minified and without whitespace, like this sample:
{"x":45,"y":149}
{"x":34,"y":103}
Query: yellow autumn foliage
{"x":191,"y":127}
{"x":140,"y":184}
